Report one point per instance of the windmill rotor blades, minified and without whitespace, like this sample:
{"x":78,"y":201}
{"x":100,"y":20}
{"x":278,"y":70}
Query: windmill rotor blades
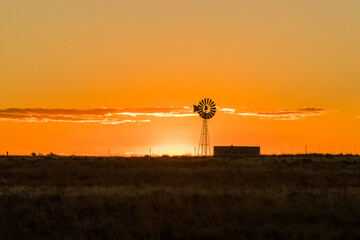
{"x":206,"y":108}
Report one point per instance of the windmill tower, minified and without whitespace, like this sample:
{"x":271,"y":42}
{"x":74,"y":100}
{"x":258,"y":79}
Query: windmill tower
{"x":206,"y":109}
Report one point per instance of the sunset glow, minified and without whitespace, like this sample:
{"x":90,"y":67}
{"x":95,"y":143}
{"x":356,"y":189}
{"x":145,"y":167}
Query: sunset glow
{"x":120,"y":77}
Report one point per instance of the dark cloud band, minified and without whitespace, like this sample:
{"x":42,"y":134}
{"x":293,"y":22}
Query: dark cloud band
{"x":137,"y":115}
{"x":97,"y":115}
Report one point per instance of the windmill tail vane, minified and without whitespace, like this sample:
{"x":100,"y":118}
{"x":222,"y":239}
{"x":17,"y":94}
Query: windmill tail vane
{"x":196,"y":108}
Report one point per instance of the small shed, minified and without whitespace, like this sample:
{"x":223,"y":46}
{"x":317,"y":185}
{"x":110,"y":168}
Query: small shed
{"x":236,"y":151}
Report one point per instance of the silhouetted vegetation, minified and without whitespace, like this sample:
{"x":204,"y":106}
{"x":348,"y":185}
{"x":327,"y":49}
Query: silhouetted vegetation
{"x":269,"y":197}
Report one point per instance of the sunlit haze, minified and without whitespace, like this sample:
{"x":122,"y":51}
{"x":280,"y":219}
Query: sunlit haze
{"x":120,"y":77}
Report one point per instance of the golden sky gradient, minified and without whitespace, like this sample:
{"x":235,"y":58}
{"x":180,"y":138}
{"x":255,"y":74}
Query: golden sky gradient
{"x":89,"y":76}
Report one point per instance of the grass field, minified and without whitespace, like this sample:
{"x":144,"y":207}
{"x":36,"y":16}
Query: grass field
{"x":269,"y":197}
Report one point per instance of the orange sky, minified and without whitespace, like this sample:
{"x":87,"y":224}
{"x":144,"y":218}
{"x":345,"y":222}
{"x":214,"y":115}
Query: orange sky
{"x":288,"y":69}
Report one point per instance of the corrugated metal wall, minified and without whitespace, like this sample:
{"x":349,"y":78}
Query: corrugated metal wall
{"x":236,"y":151}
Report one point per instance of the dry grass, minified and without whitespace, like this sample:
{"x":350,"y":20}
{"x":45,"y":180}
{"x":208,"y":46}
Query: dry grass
{"x":274,"y":197}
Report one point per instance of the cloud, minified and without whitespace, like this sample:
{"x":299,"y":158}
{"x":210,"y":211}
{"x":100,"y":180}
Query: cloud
{"x":227,"y":110}
{"x":288,"y":114}
{"x":97,"y":115}
{"x":138,"y":115}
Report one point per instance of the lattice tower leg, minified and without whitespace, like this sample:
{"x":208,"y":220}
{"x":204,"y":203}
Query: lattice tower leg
{"x":204,"y":144}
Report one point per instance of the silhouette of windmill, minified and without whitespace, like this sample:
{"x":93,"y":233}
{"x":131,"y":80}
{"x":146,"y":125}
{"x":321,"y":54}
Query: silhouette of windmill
{"x":206,"y":109}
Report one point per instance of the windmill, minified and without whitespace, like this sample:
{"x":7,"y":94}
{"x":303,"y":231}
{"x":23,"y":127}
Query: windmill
{"x":206,"y":109}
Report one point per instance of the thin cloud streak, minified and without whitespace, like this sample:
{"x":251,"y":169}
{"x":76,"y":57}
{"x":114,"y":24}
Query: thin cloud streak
{"x":138,"y":115}
{"x":98,"y":115}
{"x":227,"y":110}
{"x":289,"y":114}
